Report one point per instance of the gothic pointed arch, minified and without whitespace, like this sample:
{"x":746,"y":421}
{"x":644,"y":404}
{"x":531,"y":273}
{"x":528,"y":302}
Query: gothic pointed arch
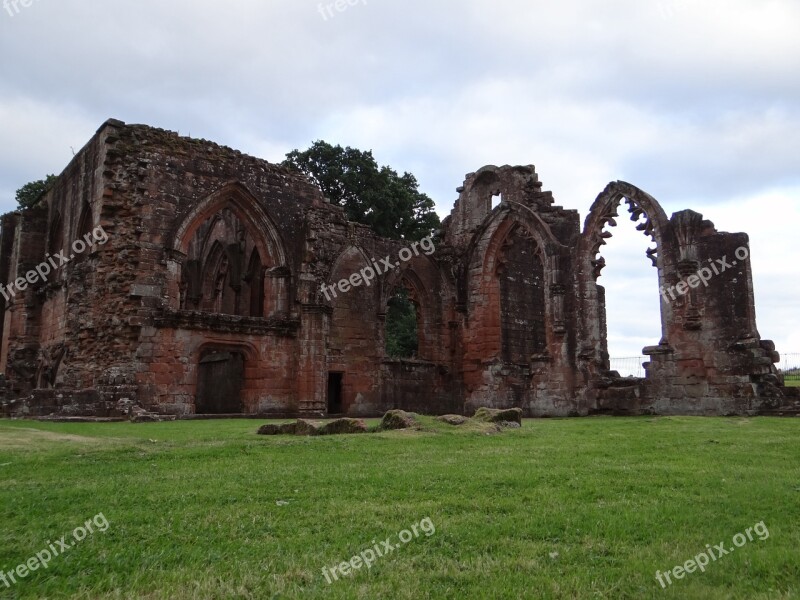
{"x":514,"y":294}
{"x":235,"y":197}
{"x":652,"y":221}
{"x":225,"y":246}
{"x":405,"y":276}
{"x":505,"y":216}
{"x":484,"y":248}
{"x":603,"y":215}
{"x":351,"y":257}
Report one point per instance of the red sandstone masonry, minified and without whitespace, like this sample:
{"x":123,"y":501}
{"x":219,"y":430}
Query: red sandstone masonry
{"x":215,"y":260}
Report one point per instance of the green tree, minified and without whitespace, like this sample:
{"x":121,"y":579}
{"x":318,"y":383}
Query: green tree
{"x":376,"y":196}
{"x":401,"y":326}
{"x":30,"y":193}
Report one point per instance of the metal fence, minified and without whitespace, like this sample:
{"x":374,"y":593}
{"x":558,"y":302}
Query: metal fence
{"x":790,"y":367}
{"x":629,"y":367}
{"x":632,"y":366}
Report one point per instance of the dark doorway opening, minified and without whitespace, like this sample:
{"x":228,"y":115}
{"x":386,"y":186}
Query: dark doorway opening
{"x":219,"y":383}
{"x":335,"y":393}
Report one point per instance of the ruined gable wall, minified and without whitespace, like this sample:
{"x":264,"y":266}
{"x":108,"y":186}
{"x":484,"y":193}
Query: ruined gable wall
{"x":166,"y":177}
{"x":525,"y":226}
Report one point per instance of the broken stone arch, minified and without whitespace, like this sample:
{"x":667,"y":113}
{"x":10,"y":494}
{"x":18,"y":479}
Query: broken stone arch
{"x":602,"y":215}
{"x":410,"y":273}
{"x":489,"y":183}
{"x":605,"y":211}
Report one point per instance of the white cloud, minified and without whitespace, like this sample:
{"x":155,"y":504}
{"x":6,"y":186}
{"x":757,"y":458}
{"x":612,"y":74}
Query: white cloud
{"x":38,"y":138}
{"x":695,"y":101}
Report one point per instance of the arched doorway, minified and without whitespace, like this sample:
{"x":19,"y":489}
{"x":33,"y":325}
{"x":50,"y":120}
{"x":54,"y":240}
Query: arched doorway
{"x":220,"y":378}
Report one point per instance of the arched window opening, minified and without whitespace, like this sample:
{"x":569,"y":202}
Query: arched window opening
{"x":402,"y":337}
{"x":255,"y":283}
{"x":210,"y":271}
{"x":224,"y":272}
{"x":521,"y":277}
{"x":629,"y":295}
{"x":497,"y":200}
{"x":191,"y":285}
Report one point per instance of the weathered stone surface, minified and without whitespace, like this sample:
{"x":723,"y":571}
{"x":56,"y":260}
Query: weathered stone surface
{"x":137,"y":414}
{"x":269,"y":429}
{"x":57,"y":419}
{"x":500,"y":416}
{"x":304,"y":427}
{"x":344,"y":426}
{"x":206,"y":298}
{"x":146,"y":418}
{"x":455,"y":420}
{"x":398,"y":419}
{"x":282,"y":429}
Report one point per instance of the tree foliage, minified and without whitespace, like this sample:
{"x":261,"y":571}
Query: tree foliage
{"x":30,"y":193}
{"x":376,"y":196}
{"x":401,"y":326}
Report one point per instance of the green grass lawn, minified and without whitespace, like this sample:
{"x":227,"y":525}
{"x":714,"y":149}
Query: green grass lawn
{"x":578,"y":508}
{"x":793,"y":383}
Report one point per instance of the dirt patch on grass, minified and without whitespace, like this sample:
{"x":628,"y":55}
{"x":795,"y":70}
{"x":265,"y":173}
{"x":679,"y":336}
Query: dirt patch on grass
{"x":12,"y":438}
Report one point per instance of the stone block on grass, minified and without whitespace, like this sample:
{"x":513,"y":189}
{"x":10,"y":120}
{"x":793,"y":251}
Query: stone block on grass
{"x":272,"y":429}
{"x":499,"y":415}
{"x":454,"y":420}
{"x":303,"y":427}
{"x":395,"y":420}
{"x":343,"y":427}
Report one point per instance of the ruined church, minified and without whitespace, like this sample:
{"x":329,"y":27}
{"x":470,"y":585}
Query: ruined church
{"x":206,"y":298}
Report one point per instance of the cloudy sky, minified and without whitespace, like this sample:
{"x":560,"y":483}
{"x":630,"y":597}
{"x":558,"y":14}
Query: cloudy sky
{"x":695,"y":101}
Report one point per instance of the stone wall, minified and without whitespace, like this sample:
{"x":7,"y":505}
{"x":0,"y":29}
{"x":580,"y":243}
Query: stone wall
{"x":207,"y":295}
